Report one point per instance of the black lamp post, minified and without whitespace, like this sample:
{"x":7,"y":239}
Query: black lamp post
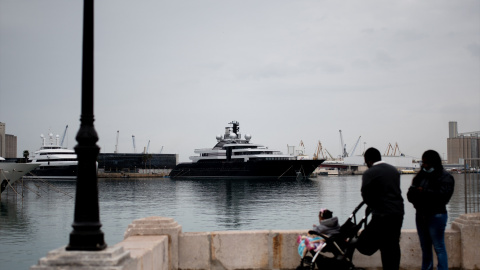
{"x":86,"y":234}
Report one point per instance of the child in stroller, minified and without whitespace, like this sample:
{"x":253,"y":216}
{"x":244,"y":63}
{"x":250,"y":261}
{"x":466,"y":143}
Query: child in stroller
{"x":338,"y":247}
{"x":315,"y":239}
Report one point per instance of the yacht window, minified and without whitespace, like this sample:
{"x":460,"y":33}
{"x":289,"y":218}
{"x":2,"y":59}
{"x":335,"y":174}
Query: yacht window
{"x":56,"y":159}
{"x":57,"y":153}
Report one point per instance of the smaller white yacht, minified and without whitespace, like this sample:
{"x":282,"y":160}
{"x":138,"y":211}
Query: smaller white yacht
{"x":11,"y":172}
{"x":56,"y":162}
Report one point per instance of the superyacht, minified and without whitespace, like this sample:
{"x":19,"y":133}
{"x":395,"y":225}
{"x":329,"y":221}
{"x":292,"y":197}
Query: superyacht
{"x":56,"y":162}
{"x":236,"y":158}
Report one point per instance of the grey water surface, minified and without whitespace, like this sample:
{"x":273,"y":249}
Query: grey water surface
{"x":41,"y":220}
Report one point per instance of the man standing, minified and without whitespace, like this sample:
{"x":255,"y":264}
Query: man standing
{"x":381,"y":192}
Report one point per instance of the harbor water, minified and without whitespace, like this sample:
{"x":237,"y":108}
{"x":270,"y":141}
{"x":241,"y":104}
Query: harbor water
{"x":40,"y":221}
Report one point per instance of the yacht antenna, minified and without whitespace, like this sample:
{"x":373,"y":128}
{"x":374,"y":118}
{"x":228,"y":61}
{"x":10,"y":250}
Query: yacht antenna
{"x":236,"y":126}
{"x":133,"y":139}
{"x":63,"y":137}
{"x":116,"y":144}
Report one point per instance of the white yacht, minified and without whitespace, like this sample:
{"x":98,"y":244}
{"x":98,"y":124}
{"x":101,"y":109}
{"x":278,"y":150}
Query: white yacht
{"x":233,"y":157}
{"x":11,"y":172}
{"x":56,"y":162}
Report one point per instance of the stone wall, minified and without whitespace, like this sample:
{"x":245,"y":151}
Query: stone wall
{"x":158,"y":243}
{"x":278,"y":250}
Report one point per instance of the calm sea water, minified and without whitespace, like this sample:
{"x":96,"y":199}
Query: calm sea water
{"x":41,"y":220}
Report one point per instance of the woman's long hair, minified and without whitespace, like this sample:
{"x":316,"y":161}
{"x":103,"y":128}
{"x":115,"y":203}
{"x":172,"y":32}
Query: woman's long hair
{"x":433,"y":159}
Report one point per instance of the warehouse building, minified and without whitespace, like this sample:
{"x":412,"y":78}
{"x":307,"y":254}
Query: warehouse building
{"x":134,"y":163}
{"x":463,"y":146}
{"x":8,"y":143}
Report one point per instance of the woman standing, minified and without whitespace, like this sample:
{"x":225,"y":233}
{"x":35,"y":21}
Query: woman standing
{"x":429,"y":193}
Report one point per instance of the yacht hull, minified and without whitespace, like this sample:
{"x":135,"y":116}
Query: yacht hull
{"x":11,"y":172}
{"x":63,"y":172}
{"x":252,"y":169}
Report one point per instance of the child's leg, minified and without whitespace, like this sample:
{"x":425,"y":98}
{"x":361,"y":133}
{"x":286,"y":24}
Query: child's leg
{"x":302,"y":248}
{"x":308,"y":244}
{"x":317,"y":240}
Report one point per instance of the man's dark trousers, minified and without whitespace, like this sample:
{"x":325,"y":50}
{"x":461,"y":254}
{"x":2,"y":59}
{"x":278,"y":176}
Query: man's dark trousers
{"x":383,"y":232}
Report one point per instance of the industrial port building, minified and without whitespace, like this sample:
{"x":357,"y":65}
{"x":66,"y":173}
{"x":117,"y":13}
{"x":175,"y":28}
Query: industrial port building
{"x":463,"y":147}
{"x":126,"y":162}
{"x":8,"y":143}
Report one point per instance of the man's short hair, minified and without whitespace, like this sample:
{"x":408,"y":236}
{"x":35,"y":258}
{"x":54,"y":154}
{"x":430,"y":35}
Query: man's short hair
{"x":373,"y":155}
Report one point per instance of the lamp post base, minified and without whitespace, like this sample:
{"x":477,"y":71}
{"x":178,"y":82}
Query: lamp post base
{"x":86,"y":241}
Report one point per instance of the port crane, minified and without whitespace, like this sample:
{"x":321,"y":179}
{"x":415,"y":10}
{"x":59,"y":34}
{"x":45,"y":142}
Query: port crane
{"x":343,"y":146}
{"x":148,"y":146}
{"x":302,"y":147}
{"x":355,"y":147}
{"x":321,"y":152}
{"x":63,"y":138}
{"x":330,"y":155}
{"x":394,"y":150}
{"x":318,"y":151}
{"x":116,"y":144}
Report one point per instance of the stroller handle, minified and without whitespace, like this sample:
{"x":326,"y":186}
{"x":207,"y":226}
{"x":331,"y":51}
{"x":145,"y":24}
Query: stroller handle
{"x":358,"y":208}
{"x":317,"y":233}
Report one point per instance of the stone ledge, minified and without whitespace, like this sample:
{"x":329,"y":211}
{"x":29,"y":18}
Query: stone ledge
{"x":110,"y":258}
{"x":170,"y":249}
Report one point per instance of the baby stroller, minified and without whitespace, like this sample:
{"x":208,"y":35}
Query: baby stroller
{"x":338,"y":250}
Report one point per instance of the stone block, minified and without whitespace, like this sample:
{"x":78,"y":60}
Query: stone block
{"x":151,"y":252}
{"x":194,"y":251}
{"x":411,"y":252}
{"x":158,"y":226}
{"x":240,"y":250}
{"x":410,"y":249}
{"x":469,"y":227}
{"x":284,"y":248}
{"x":452,"y":242}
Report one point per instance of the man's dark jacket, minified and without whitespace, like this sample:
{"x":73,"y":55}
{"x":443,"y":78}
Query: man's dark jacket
{"x":381,"y":190}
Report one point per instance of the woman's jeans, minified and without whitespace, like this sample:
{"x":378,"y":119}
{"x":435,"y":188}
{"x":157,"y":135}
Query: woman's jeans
{"x":431,"y":231}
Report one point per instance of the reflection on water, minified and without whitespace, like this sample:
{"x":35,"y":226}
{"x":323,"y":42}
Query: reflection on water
{"x":29,"y":228}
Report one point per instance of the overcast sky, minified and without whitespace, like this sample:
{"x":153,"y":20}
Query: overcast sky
{"x":177,"y":72}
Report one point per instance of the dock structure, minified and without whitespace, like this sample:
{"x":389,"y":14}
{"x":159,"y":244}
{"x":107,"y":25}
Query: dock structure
{"x":159,"y":243}
{"x":463,"y":146}
{"x":135,"y":163}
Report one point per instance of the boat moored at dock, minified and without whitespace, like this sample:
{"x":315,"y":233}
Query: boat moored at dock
{"x":10,"y":172}
{"x":56,"y":162}
{"x":236,"y":158}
